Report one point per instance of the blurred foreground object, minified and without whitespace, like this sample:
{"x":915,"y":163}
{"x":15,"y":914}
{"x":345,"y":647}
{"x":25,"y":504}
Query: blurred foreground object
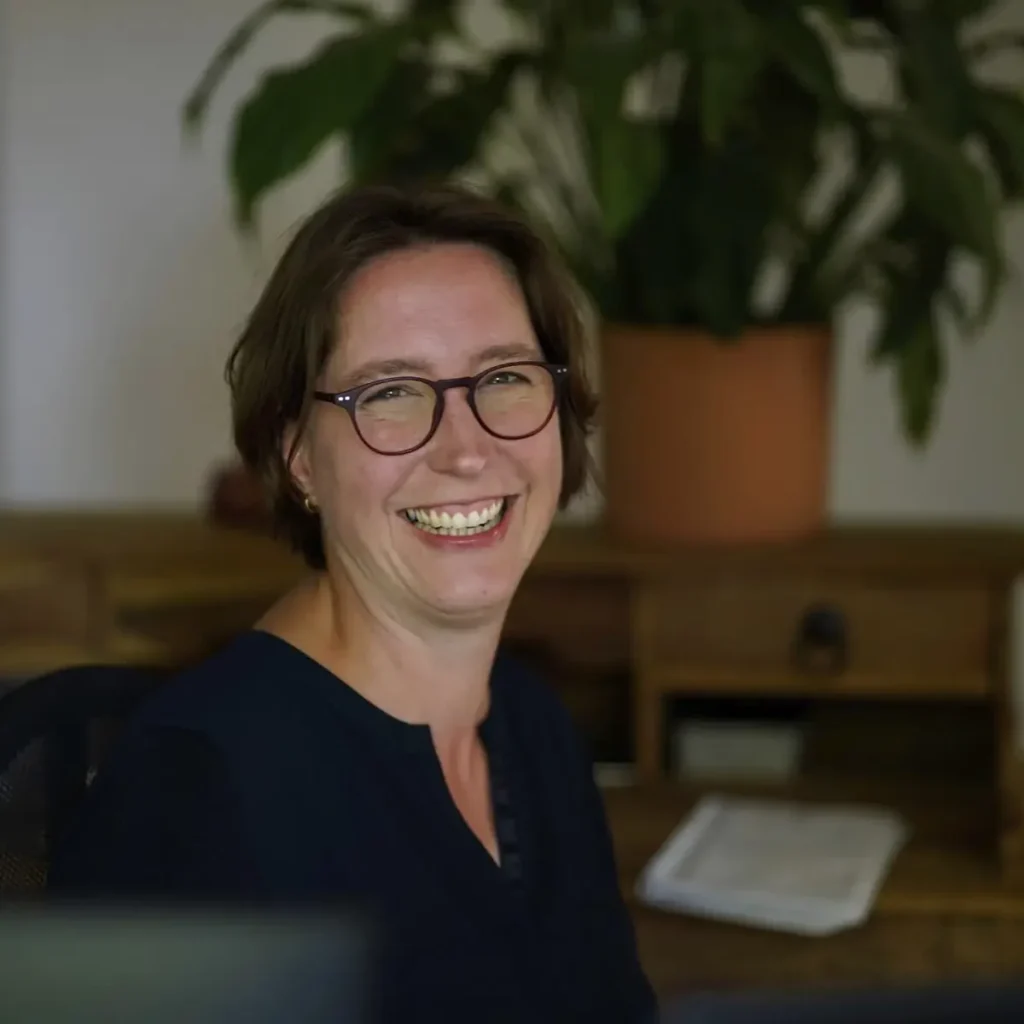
{"x":71,"y":965}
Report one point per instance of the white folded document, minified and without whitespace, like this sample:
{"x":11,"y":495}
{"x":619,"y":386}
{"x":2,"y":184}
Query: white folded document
{"x":803,"y":868}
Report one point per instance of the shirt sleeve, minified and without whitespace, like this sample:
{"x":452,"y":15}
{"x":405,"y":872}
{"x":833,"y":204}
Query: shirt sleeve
{"x":159,"y":823}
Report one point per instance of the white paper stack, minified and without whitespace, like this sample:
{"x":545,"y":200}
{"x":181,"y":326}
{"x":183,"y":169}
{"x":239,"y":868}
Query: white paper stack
{"x":802,"y":868}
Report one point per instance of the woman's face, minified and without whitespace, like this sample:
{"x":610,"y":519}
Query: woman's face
{"x":447,"y":310}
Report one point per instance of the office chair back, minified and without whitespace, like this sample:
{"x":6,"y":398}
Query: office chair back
{"x":53,"y":732}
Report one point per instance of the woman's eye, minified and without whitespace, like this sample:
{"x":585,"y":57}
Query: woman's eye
{"x":504,"y":377}
{"x":395,"y":391}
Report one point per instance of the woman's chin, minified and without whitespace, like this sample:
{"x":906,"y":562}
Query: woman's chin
{"x":471,"y":601}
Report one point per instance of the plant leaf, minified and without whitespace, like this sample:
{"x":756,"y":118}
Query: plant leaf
{"x":956,"y":12}
{"x":387,"y":126}
{"x":803,"y":52}
{"x":956,"y":305}
{"x":599,"y":65}
{"x":952,"y":194}
{"x":729,"y":215}
{"x":835,"y":12}
{"x":433,"y":17}
{"x":995,"y":43}
{"x":1001,"y":121}
{"x":511,"y":191}
{"x":819,"y":279}
{"x":911,"y":292}
{"x":722,"y":41}
{"x":790,"y":147}
{"x":656,"y":255}
{"x":934,"y":71}
{"x":236,"y":43}
{"x":294,"y":111}
{"x":447,"y":131}
{"x":920,"y":373}
{"x":724,"y":86}
{"x":628,"y":164}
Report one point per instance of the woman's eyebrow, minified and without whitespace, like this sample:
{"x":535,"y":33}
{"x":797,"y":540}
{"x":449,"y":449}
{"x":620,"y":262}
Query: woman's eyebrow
{"x":379,"y":368}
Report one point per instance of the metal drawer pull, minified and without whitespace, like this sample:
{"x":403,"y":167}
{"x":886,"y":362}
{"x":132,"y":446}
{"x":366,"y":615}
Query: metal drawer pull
{"x":822,"y":640}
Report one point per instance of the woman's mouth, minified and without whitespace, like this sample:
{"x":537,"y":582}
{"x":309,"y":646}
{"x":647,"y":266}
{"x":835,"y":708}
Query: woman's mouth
{"x":467,"y":522}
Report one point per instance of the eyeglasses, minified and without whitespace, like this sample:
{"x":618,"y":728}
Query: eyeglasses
{"x":397,"y":415}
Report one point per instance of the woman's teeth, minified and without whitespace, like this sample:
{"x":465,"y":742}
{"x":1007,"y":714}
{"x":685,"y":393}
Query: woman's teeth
{"x":457,"y":524}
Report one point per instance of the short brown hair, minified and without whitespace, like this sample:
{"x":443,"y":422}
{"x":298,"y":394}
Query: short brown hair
{"x":275,"y":363}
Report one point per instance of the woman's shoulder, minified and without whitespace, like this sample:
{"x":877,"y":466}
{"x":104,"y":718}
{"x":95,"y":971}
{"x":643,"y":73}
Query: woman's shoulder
{"x":530,"y":703}
{"x":245,"y":681}
{"x":252,"y":711}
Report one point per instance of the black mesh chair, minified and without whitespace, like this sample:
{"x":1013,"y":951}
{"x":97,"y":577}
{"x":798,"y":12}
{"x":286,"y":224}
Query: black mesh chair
{"x":53,"y":733}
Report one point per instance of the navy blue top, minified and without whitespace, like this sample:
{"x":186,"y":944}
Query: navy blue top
{"x":258,"y":776}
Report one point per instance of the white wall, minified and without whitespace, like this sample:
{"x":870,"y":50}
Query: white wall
{"x":127,"y":283}
{"x":126,"y":280}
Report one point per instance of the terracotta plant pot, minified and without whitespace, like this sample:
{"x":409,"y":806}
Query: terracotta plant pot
{"x":713,"y":442}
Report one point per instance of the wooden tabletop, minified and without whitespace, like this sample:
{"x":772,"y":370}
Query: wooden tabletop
{"x":120,"y":566}
{"x":140,"y":539}
{"x":942,"y":913}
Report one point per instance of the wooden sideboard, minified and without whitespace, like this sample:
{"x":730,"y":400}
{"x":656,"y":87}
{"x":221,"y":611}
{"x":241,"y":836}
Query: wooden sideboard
{"x":893,"y":643}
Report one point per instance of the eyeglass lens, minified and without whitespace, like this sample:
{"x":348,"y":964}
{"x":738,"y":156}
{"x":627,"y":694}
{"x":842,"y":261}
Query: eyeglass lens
{"x":514,"y":401}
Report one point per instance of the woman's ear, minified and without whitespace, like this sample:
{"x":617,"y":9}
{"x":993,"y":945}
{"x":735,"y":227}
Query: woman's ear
{"x":295,"y":455}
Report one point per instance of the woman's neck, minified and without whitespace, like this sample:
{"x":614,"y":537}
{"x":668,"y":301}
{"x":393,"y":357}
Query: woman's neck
{"x":417,"y":671}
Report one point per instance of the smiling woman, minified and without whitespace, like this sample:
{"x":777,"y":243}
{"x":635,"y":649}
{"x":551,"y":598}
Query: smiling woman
{"x":408,"y":281}
{"x":410,"y":388}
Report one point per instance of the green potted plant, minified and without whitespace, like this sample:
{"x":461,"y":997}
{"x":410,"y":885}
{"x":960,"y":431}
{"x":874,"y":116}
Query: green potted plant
{"x":717,"y":186}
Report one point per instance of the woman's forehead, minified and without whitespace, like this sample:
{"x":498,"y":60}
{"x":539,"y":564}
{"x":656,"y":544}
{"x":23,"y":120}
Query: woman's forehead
{"x":425,"y":310}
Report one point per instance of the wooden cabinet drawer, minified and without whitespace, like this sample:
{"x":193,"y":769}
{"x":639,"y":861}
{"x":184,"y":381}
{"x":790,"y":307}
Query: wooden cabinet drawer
{"x":808,"y":636}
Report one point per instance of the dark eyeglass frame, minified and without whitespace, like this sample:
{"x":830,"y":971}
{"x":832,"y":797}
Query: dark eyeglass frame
{"x":347,"y":399}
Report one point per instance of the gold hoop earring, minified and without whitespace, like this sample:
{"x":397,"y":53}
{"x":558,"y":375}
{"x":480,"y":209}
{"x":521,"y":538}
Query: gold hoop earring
{"x":309,"y":505}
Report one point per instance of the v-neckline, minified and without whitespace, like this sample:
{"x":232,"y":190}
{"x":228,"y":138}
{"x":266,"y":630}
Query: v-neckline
{"x":412,"y":738}
{"x":459,"y":824}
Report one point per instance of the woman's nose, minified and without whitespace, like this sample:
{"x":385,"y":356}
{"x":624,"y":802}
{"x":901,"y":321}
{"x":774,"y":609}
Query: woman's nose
{"x":460,"y":445}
